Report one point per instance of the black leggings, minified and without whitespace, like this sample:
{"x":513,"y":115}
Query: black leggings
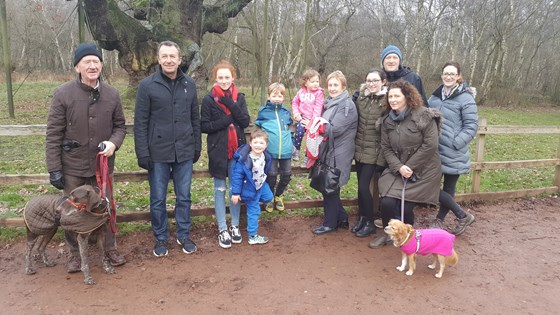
{"x":447,"y":198}
{"x":391,"y":209}
{"x":367,"y":203}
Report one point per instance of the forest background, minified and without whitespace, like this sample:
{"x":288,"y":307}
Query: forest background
{"x":508,"y":48}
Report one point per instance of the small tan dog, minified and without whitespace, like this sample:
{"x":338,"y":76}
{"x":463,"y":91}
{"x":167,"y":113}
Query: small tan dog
{"x":412,"y":242}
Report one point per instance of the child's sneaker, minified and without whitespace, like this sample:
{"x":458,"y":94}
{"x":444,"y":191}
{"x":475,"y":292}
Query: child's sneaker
{"x":279,"y":203}
{"x":224,"y":239}
{"x":257,"y":239}
{"x":269,"y":206}
{"x":295,"y":154}
{"x":235,"y":234}
{"x":304,"y":162}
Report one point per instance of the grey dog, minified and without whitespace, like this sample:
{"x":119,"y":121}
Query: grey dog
{"x":84,"y":212}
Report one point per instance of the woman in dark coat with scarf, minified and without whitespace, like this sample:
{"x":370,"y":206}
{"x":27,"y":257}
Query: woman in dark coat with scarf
{"x":224,"y":117}
{"x":409,"y":141}
{"x":342,"y":117}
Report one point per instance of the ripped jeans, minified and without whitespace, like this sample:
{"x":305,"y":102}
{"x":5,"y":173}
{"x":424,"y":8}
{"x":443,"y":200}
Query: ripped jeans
{"x":220,"y":201}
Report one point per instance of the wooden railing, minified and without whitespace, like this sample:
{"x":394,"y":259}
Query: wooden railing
{"x":478,"y":165}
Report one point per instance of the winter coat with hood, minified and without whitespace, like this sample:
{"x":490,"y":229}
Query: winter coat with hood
{"x":75,"y":116}
{"x":368,"y":135}
{"x":341,"y":113}
{"x":412,"y":142}
{"x":408,"y":75}
{"x":167,"y":119}
{"x":242,"y":183}
{"x":460,"y":124}
{"x":276,"y":119}
{"x":215,"y":122}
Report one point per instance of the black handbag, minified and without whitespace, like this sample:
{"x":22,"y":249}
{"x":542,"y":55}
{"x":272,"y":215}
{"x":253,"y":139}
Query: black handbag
{"x":325,"y":178}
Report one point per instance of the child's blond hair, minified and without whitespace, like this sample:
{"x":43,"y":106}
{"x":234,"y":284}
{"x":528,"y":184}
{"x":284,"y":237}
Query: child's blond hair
{"x":277,"y":87}
{"x":307,"y":75}
{"x":258,"y":133}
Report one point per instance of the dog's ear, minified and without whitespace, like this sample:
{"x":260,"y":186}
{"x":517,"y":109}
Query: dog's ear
{"x":79,"y":194}
{"x":93,"y":197}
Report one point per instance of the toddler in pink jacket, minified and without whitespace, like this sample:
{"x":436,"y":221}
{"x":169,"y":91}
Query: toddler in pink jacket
{"x":306,"y":105}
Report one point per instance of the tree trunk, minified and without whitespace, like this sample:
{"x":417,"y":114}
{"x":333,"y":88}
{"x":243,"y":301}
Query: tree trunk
{"x":182,"y":21}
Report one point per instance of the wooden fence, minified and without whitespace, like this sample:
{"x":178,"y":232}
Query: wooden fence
{"x":478,"y":165}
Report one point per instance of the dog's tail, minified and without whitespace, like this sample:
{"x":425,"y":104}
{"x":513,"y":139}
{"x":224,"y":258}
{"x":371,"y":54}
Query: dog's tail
{"x":453,"y":259}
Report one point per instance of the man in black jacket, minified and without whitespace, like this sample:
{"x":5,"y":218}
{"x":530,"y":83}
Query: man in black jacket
{"x":167,"y":143}
{"x":391,"y":60}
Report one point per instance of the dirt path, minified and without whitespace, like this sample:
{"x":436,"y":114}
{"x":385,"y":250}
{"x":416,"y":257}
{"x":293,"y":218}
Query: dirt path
{"x":508,"y":265}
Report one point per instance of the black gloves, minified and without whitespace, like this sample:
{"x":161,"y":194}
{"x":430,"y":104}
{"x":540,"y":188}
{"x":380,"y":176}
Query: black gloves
{"x":196,"y":156}
{"x":227,"y":101}
{"x":240,"y":98}
{"x":145,"y":163}
{"x":57,"y":179}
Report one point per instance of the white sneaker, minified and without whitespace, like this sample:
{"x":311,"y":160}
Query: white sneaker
{"x":236,"y":237}
{"x":257,"y":239}
{"x":224,"y":239}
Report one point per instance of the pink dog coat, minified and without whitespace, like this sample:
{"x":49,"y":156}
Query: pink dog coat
{"x":431,"y":241}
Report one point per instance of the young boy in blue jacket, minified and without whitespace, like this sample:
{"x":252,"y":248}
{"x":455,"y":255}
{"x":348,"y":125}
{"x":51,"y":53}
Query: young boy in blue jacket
{"x":276,"y":119}
{"x":248,"y":182}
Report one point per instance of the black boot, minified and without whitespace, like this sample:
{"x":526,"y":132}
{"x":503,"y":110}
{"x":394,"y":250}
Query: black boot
{"x":368,"y":229}
{"x":359,"y":225}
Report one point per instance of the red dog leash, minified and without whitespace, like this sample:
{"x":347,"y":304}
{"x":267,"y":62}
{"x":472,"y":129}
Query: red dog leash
{"x":106,"y":185}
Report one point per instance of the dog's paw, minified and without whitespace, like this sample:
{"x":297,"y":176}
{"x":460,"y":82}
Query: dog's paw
{"x":439,"y":275}
{"x":89,"y":281}
{"x":50,"y":263}
{"x":409,"y":273}
{"x":432,"y":266}
{"x":30,"y":271}
{"x":400,"y":268}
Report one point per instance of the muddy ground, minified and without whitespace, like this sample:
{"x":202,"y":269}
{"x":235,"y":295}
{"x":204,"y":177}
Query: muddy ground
{"x":508,"y":264}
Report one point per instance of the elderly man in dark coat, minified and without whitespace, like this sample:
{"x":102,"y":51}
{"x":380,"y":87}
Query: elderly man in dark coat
{"x":84,"y":113}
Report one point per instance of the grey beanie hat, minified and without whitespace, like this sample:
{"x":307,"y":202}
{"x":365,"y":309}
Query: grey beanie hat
{"x":86,"y":49}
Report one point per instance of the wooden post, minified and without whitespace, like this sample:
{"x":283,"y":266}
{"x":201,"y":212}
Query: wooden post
{"x":6,"y":56}
{"x":479,"y":155}
{"x":557,"y":172}
{"x":81,"y":22}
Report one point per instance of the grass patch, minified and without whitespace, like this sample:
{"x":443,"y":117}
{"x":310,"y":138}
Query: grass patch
{"x":26,"y":155}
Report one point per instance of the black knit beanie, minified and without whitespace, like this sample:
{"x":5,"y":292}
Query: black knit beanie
{"x":85,"y":49}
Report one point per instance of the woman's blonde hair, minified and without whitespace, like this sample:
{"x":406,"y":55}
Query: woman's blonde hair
{"x":339,"y":76}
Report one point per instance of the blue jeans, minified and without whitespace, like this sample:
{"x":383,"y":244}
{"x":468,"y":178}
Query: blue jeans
{"x":220,"y":200}
{"x":254,"y":209}
{"x":158,"y":177}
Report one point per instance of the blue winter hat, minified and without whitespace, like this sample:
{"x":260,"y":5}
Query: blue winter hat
{"x":86,"y":49}
{"x":391,"y":50}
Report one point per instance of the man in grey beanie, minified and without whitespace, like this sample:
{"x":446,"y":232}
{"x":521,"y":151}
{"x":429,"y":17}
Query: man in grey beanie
{"x":84,"y":114}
